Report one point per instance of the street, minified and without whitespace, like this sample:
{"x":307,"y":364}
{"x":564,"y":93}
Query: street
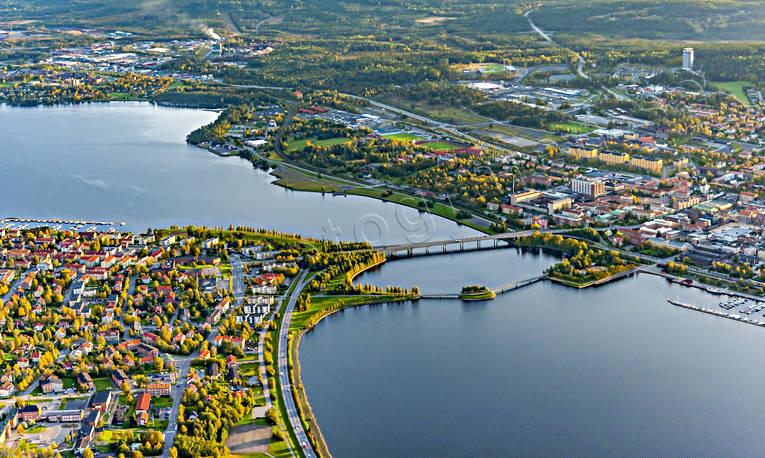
{"x":183,"y":365}
{"x":289,"y":402}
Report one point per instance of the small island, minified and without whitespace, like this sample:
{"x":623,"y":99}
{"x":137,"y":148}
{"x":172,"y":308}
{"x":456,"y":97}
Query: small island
{"x":476,"y":293}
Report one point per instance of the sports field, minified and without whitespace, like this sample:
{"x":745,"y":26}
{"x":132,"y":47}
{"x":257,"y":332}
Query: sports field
{"x":440,"y":146}
{"x":404,"y":137}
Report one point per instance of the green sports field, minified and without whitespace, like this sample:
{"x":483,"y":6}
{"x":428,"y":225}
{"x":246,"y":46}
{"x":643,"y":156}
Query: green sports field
{"x":440,"y":146}
{"x":404,"y":137}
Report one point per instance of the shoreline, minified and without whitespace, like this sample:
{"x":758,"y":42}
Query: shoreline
{"x":335,"y":188}
{"x":299,"y":393}
{"x":294,"y":357}
{"x":401,"y":201}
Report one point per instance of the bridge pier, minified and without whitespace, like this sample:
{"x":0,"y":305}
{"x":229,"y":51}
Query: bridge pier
{"x":443,"y":248}
{"x":409,"y":252}
{"x":427,"y":250}
{"x":462,"y":246}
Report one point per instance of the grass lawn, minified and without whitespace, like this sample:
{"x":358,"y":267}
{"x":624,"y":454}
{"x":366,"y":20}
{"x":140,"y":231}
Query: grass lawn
{"x":299,"y":144}
{"x":299,"y":180}
{"x":438,"y":208}
{"x":102,"y":383}
{"x":736,"y":88}
{"x":299,"y":319}
{"x":110,"y":436}
{"x":279,"y":449}
{"x":122,"y":96}
{"x":248,"y":370}
{"x":162,"y":401}
{"x":404,"y":137}
{"x":247,"y":420}
{"x":35,"y":429}
{"x":159,"y":425}
{"x":478,"y":297}
{"x":574,"y":128}
{"x":131,"y":411}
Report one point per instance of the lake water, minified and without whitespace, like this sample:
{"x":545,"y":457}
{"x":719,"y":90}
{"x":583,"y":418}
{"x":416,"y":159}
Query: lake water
{"x":544,"y":370}
{"x":129,"y":162}
{"x":448,"y":273}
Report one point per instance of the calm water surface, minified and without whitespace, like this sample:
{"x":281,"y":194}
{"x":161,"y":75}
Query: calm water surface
{"x":129,"y":162}
{"x":544,"y":370}
{"x":448,"y":273}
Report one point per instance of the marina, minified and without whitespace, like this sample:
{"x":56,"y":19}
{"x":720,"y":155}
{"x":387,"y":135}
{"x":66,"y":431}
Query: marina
{"x":58,"y":224}
{"x":727,"y":305}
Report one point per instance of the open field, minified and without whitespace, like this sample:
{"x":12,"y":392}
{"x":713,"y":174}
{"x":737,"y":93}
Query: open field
{"x":246,"y":439}
{"x":404,"y":137}
{"x":303,"y":181}
{"x":455,"y":115}
{"x":573,"y":127}
{"x":438,"y":208}
{"x":300,"y":144}
{"x":514,"y":140}
{"x":103,"y":383}
{"x":443,"y":113}
{"x":736,"y":88}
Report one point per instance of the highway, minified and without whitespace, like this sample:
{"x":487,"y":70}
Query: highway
{"x":432,"y":123}
{"x":264,"y":374}
{"x":284,"y":375}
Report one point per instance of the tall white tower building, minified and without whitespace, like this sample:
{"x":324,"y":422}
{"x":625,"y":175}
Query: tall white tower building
{"x":688,"y":59}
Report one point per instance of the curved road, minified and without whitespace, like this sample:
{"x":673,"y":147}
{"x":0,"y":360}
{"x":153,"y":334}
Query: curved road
{"x":580,"y":64}
{"x":284,"y":378}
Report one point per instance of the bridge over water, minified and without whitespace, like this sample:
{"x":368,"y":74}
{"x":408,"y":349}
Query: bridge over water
{"x":498,"y":290}
{"x":464,"y":243}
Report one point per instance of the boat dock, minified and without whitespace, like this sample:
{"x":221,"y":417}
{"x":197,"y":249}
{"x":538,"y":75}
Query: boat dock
{"x":728,"y":315}
{"x":59,"y":224}
{"x":60,"y":221}
{"x":702,"y":286}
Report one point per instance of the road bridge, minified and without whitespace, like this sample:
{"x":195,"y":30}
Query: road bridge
{"x":489,"y":242}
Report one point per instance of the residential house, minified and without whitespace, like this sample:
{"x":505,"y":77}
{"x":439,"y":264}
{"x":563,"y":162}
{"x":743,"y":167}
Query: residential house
{"x":52,"y":384}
